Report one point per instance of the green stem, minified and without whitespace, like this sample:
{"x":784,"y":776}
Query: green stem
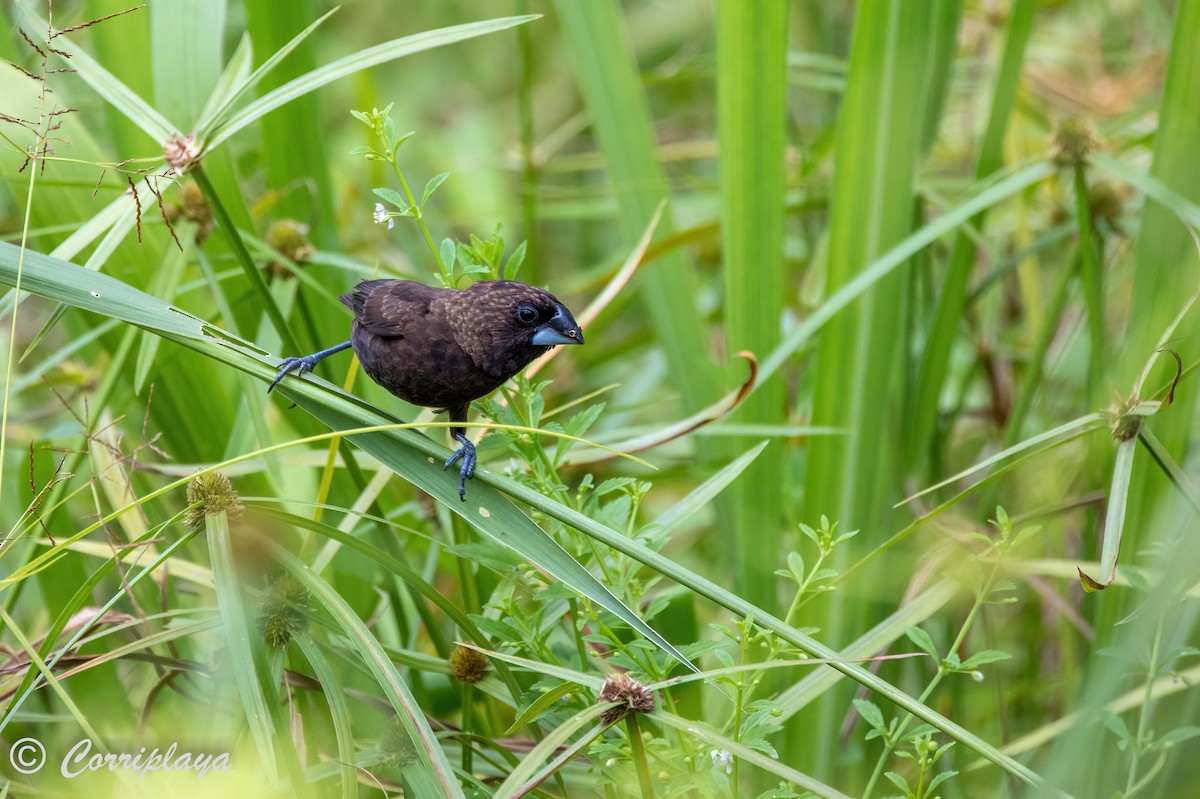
{"x":418,"y":217}
{"x":639,"y":755}
{"x":580,"y":644}
{"x":528,"y":168}
{"x":468,"y":727}
{"x":253,"y":274}
{"x":1092,"y":274}
{"x":1037,"y":357}
{"x":1143,"y":727}
{"x":890,"y":744}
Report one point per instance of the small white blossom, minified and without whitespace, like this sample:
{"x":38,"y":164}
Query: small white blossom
{"x":722,"y":759}
{"x":381,"y":216}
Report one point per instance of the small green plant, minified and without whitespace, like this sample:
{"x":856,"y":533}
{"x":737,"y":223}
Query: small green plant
{"x":981,"y":575}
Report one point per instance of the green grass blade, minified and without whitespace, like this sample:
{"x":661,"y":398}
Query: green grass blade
{"x":751,"y":116}
{"x":606,"y":70}
{"x":334,"y":692}
{"x":436,"y":776}
{"x":294,"y":150}
{"x":240,"y":88}
{"x":704,"y":494}
{"x":364,"y":59}
{"x":188,"y":38}
{"x":989,"y":192}
{"x":875,"y":640}
{"x":236,"y":630}
{"x":948,"y":316}
{"x":771,"y":765}
{"x":1114,"y":520}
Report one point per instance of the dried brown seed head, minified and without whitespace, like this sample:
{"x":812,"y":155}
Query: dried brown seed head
{"x":631,"y":694}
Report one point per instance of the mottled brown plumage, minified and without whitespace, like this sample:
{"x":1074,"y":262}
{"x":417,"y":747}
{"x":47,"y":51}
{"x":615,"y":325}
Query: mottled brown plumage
{"x":443,"y":348}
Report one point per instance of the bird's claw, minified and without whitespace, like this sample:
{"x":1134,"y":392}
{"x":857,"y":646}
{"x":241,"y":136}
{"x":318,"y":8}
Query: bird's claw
{"x":467,"y":472}
{"x":289,"y":365}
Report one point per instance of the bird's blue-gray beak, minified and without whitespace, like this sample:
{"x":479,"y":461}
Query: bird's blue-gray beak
{"x":560,"y":329}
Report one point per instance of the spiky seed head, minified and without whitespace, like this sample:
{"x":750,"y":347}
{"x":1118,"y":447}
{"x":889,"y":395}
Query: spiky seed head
{"x":1073,"y":141}
{"x":209,"y":494}
{"x":631,"y":694}
{"x":290,"y":239}
{"x":1106,"y":202}
{"x":284,"y":612}
{"x":195,"y":209}
{"x":181,"y":152}
{"x":468,"y":665}
{"x":1123,"y":423}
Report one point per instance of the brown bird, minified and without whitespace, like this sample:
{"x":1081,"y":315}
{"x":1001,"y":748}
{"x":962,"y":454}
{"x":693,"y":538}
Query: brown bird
{"x":443,"y":348}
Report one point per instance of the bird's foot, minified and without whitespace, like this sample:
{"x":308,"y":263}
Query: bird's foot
{"x":467,"y":472}
{"x":305,"y":364}
{"x":297,"y":365}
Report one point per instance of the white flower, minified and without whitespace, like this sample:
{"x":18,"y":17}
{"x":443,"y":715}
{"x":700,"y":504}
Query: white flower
{"x":722,"y":759}
{"x":381,"y":216}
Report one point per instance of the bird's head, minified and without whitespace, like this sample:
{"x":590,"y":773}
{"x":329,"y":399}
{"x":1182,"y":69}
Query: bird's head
{"x":505,"y":324}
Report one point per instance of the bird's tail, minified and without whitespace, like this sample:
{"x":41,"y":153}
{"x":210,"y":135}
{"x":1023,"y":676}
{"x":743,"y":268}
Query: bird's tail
{"x":356,"y":299}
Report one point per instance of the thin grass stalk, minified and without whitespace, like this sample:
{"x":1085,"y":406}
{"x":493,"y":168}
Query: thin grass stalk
{"x":253,"y":274}
{"x":944,"y":330}
{"x":1037,"y":359}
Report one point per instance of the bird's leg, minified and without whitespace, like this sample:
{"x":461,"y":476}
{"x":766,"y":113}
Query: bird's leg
{"x":305,"y":364}
{"x":466,"y":451}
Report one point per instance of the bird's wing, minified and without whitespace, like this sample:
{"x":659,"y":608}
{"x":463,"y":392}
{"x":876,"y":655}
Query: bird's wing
{"x":392,"y":308}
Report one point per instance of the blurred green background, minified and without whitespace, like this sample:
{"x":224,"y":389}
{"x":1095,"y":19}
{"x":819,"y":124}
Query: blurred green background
{"x":920,"y":221}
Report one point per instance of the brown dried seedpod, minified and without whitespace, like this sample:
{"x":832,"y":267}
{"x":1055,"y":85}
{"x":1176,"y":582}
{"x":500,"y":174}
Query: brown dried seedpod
{"x":631,"y":694}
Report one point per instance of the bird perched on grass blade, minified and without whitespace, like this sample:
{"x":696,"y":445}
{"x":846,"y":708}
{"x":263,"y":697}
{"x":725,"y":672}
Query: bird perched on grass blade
{"x":442,"y":348}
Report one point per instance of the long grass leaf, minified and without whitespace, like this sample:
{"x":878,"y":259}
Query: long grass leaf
{"x":751,"y":118}
{"x":364,"y":59}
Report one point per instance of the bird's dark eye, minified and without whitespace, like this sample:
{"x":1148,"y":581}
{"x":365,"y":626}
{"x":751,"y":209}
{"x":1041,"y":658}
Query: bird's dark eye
{"x":526,"y":314}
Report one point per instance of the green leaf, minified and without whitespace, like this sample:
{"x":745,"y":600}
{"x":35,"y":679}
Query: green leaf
{"x":922,"y":640}
{"x":899,"y":782}
{"x":1178,"y":736}
{"x":512,"y":266}
{"x":228,"y":96}
{"x":938,"y":780}
{"x":984,"y":657}
{"x":540,"y":705}
{"x":432,"y":186}
{"x":393,"y":197}
{"x":871,"y":714}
